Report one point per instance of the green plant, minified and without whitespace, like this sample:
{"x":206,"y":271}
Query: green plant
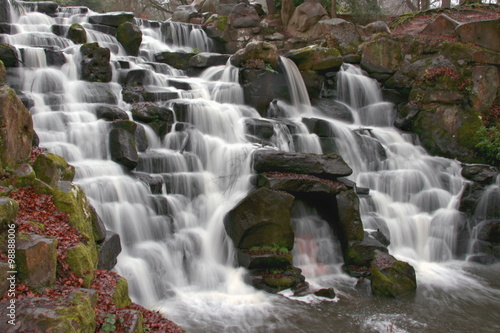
{"x":275,"y":248}
{"x":109,"y":323}
{"x":489,"y":144}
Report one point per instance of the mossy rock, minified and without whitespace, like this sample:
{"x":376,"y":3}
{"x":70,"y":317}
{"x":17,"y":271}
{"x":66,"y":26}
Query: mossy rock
{"x":24,"y":176}
{"x":52,"y":168}
{"x":77,"y":33}
{"x":8,"y":211}
{"x":316,"y":58}
{"x":390,"y":277}
{"x":279,"y":282}
{"x":3,"y":73}
{"x":130,"y":36}
{"x":382,"y":55}
{"x":120,"y":296}
{"x":82,"y":260}
{"x":222,"y":23}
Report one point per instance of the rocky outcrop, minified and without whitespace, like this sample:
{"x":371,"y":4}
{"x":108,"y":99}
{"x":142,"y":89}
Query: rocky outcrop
{"x":16,"y":129}
{"x":95,"y":65}
{"x":179,"y":60}
{"x":442,"y":25}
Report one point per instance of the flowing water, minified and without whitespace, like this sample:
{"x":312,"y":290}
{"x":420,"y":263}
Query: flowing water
{"x":176,"y":255}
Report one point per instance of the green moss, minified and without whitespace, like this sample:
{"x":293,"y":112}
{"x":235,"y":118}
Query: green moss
{"x":79,"y":313}
{"x":77,"y":33}
{"x":489,"y":144}
{"x":82,"y":260}
{"x":120,"y":296}
{"x":3,"y":73}
{"x":8,"y":211}
{"x":469,"y":133}
{"x":222,"y":23}
{"x":52,"y":168}
{"x":279,"y":282}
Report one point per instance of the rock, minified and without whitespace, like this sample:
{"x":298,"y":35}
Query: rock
{"x":361,"y":253}
{"x":449,"y":131}
{"x":264,"y":51}
{"x":315,"y":58}
{"x":391,"y":277}
{"x":51,"y":169}
{"x":320,"y":127}
{"x":24,"y":175}
{"x":82,"y":261}
{"x":141,"y":138}
{"x":95,"y":63}
{"x":130,"y":36}
{"x":405,"y":116}
{"x":5,"y":15}
{"x":326,"y":293}
{"x":77,"y":33}
{"x":36,"y":260}
{"x":343,"y":35}
{"x":489,"y":231}
{"x":482,"y":33}
{"x":243,"y":16}
{"x":55,"y":58}
{"x":150,"y":113}
{"x":154,"y":183}
{"x":138,"y":77}
{"x":287,"y":9}
{"x":123,"y":148}
{"x":179,"y":60}
{"x":304,"y":22}
{"x":207,"y":59}
{"x":262,"y":218}
{"x":16,"y":129}
{"x":261,"y":128}
{"x":3,"y":73}
{"x":184,"y":13}
{"x":485,"y":84}
{"x":120,"y":295}
{"x":98,"y":227}
{"x":134,"y":320}
{"x":262,"y":260}
{"x":112,"y":19}
{"x":110,"y":113}
{"x":334,"y":109}
{"x":442,"y":25}
{"x":45,"y":7}
{"x":471,"y":195}
{"x":479,"y":173}
{"x":262,"y":87}
{"x":323,"y":166}
{"x":110,"y":249}
{"x":6,"y":280}
{"x":8,"y":55}
{"x":377,"y":27}
{"x":382,"y":55}
{"x":350,"y":226}
{"x":295,"y":183}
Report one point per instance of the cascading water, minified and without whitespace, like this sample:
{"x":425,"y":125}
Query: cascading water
{"x":176,"y":255}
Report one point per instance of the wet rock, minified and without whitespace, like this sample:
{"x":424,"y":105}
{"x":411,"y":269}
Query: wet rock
{"x":16,"y":129}
{"x":97,"y":92}
{"x":179,"y":60}
{"x":482,"y":33}
{"x":8,"y":55}
{"x":320,"y":127}
{"x":264,"y":260}
{"x":262,"y":218}
{"x":110,"y":113}
{"x":45,"y":7}
{"x":343,"y":34}
{"x":334,"y":109}
{"x":141,"y":138}
{"x":480,"y":173}
{"x":36,"y":260}
{"x":489,"y":231}
{"x":483,"y":259}
{"x":326,"y":293}
{"x":51,"y":169}
{"x":391,"y":277}
{"x":55,"y":58}
{"x":261,"y":128}
{"x":207,"y":59}
{"x":130,"y":36}
{"x":324,"y":166}
{"x":264,"y":51}
{"x":95,"y":63}
{"x":152,"y":114}
{"x":77,"y":33}
{"x":361,"y":253}
{"x":442,"y":25}
{"x":295,"y":183}
{"x":243,"y":16}
{"x":112,"y":19}
{"x":123,"y":149}
{"x":315,"y":58}
{"x":154,"y":183}
{"x":377,"y":27}
{"x":110,"y":249}
{"x":470,"y":197}
{"x":405,"y":116}
{"x":350,"y":226}
{"x":97,"y":226}
{"x":304,"y":21}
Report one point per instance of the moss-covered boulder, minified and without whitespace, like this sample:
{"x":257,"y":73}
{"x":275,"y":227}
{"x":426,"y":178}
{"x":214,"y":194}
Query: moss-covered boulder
{"x":36,"y":260}
{"x":82,"y":260}
{"x":8,"y":55}
{"x":350,"y":226}
{"x":381,"y":55}
{"x":77,"y":33}
{"x":120,"y":294}
{"x":24,"y":175}
{"x":262,"y":218}
{"x":52,"y":168}
{"x":16,"y":129}
{"x":8,"y":212}
{"x":254,"y":52}
{"x":95,"y":64}
{"x":316,"y":58}
{"x":391,"y":277}
{"x":341,"y":34}
{"x":130,"y":36}
{"x":361,"y":253}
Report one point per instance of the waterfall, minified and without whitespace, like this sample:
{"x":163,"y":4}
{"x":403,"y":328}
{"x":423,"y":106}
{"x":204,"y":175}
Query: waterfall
{"x":176,"y":255}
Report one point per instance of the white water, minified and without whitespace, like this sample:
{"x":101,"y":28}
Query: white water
{"x":176,"y":255}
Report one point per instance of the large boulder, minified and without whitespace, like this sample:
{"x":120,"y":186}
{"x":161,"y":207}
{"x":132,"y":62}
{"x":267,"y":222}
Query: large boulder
{"x":8,"y":55}
{"x":112,"y":19}
{"x":51,"y":169}
{"x":391,"y":277}
{"x":243,"y":16}
{"x":36,"y":260}
{"x":264,"y":51}
{"x":130,"y":36}
{"x":304,"y":21}
{"x":287,"y":9}
{"x":329,"y":166}
{"x":122,"y":147}
{"x":16,"y":129}
{"x":110,"y":249}
{"x":482,"y":33}
{"x":342,"y":34}
{"x":95,"y":63}
{"x":262,"y":218}
{"x":315,"y":58}
{"x":77,"y":33}
{"x":179,"y":60}
{"x":442,"y":25}
{"x":382,"y":55}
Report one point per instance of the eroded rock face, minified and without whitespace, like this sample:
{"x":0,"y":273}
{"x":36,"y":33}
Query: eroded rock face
{"x":95,"y":63}
{"x":263,"y":218}
{"x":16,"y":129}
